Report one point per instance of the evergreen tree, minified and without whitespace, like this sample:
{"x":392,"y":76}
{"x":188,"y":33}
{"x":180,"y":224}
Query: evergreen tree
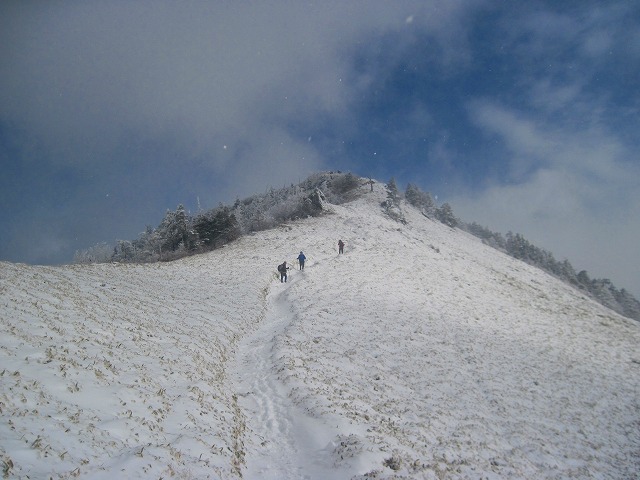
{"x":446,"y":216}
{"x":175,"y":232}
{"x":124,"y":251}
{"x":412,"y":195}
{"x":392,"y":191}
{"x":391,"y":205}
{"x":421,"y":200}
{"x":601,"y":290}
{"x":568,"y":274}
{"x":217,"y":227}
{"x":583,"y":279}
{"x":147,"y":245}
{"x":343,"y":184}
{"x":629,"y":305}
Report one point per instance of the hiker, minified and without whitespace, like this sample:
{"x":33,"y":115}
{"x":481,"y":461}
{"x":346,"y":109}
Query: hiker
{"x":301,"y":259}
{"x":340,"y":246}
{"x":282,"y":268}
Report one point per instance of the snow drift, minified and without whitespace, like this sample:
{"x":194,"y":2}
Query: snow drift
{"x":418,"y":353}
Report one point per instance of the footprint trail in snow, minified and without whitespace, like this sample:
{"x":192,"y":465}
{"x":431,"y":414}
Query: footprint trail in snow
{"x":277,"y":424}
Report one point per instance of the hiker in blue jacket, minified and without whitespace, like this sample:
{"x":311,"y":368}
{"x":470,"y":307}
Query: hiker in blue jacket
{"x":301,"y":259}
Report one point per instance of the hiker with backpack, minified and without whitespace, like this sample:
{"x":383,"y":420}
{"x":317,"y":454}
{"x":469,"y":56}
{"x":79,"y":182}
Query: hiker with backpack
{"x":301,"y":259}
{"x":340,"y":246}
{"x":282,"y":268}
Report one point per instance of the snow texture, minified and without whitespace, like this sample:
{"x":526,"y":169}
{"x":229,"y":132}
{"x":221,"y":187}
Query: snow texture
{"x":418,"y":353}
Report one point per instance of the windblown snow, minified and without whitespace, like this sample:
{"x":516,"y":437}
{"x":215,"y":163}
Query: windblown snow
{"x":418,"y":353}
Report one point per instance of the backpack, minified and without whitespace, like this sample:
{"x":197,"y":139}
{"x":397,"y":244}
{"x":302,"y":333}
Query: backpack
{"x":281,"y":267}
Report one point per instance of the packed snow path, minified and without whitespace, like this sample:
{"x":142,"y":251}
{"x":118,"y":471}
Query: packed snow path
{"x":288,"y":443}
{"x":267,"y":407}
{"x":272,"y":418}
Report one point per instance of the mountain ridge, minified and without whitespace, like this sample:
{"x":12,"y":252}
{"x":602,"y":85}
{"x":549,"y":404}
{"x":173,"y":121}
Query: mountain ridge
{"x":420,"y":353}
{"x":181,"y":234}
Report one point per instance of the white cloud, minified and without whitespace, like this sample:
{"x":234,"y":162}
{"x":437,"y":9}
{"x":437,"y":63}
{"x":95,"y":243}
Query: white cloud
{"x":81,"y":77}
{"x":575,"y":193}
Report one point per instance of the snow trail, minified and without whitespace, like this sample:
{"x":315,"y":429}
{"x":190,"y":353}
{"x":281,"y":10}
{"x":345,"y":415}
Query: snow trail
{"x":271,"y":413}
{"x":283,"y":441}
{"x":266,"y":403}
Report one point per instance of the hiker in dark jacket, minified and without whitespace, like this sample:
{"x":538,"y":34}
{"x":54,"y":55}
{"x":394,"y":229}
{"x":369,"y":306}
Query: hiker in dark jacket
{"x":282,"y":268}
{"x":301,"y":259}
{"x":340,"y":246}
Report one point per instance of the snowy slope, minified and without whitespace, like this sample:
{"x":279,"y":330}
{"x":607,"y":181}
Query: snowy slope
{"x":419,"y":353}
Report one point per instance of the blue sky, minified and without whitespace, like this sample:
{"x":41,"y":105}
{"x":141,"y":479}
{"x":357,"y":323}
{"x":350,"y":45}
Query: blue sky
{"x":522,"y":115}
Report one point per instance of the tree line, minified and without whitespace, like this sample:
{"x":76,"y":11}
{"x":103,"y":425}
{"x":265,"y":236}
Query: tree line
{"x":180,"y":234}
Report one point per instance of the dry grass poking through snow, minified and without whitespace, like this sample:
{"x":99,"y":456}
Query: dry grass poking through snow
{"x":419,"y":353}
{"x":122,"y":369}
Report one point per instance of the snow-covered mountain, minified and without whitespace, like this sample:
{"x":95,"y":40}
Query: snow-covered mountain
{"x":418,"y":353}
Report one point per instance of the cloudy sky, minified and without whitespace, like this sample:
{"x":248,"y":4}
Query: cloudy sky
{"x":524,"y":116}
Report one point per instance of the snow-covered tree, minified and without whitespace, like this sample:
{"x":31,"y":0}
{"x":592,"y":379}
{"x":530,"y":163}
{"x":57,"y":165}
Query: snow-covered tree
{"x":124,"y":251}
{"x":343,"y":184}
{"x":583,"y":279}
{"x":392,"y":191}
{"x":175,"y":231}
{"x":421,"y":200}
{"x":446,"y":216}
{"x":216,"y":227}
{"x":629,"y":305}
